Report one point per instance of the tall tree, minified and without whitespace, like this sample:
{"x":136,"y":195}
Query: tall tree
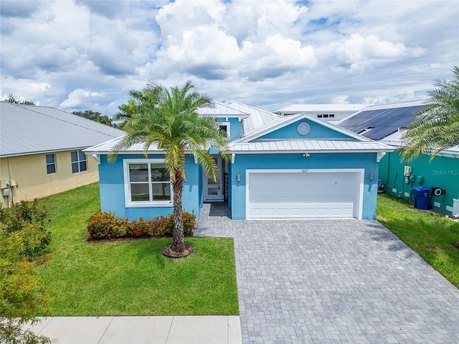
{"x":437,"y":125}
{"x":95,"y":116}
{"x":169,"y":119}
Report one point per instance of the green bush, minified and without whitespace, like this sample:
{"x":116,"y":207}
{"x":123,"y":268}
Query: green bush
{"x":26,"y":221}
{"x":23,"y":212}
{"x":104,"y":225}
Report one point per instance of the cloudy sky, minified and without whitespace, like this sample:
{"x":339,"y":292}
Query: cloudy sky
{"x":88,"y":54}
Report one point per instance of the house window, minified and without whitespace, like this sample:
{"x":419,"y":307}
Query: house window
{"x":50,"y":163}
{"x":147,"y":182}
{"x":224,"y":128}
{"x":78,"y":162}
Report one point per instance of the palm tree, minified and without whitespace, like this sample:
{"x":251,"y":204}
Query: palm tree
{"x":169,"y":119}
{"x":149,"y":94}
{"x":437,"y":125}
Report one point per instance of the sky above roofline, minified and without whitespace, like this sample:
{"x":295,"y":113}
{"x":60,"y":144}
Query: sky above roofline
{"x":88,"y":54}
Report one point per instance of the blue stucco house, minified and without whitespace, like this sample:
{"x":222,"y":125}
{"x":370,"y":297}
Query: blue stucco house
{"x":280,"y":167}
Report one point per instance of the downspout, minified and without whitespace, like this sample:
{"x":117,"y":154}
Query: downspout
{"x":9,"y":185}
{"x":388,"y":172}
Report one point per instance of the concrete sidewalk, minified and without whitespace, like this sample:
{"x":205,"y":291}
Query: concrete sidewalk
{"x":137,"y":329}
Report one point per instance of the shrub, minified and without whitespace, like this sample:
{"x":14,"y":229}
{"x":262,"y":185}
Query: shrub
{"x":139,"y":228}
{"x":34,"y":239}
{"x":21,"y":294}
{"x":23,"y":212}
{"x":103,"y":225}
{"x":26,"y":221}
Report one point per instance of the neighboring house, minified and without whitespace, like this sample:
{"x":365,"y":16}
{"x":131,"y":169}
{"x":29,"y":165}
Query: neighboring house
{"x":385,"y":123}
{"x":41,"y":151}
{"x":327,"y":112}
{"x":280,"y":167}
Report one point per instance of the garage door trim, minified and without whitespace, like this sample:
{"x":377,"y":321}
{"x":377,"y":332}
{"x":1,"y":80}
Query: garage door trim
{"x":359,"y":171}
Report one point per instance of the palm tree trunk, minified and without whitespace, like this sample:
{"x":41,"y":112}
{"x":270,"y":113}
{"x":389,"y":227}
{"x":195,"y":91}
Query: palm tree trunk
{"x":178,"y":242}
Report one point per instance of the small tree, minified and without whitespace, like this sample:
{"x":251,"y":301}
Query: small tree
{"x":11,"y":99}
{"x":169,"y":119}
{"x":21,"y":295}
{"x":437,"y":125}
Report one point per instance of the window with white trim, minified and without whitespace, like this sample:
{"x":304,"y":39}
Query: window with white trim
{"x":148,"y":182}
{"x":224,"y":128}
{"x":50,"y":163}
{"x":78,"y":162}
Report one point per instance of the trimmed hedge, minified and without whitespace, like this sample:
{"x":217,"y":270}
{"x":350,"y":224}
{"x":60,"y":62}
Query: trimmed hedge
{"x":104,"y":225}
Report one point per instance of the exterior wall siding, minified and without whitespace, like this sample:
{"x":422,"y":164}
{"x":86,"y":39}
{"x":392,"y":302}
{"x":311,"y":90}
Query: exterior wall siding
{"x":316,"y":131}
{"x":29,"y":173}
{"x":244,"y":162}
{"x":440,"y":172}
{"x":112,"y":193}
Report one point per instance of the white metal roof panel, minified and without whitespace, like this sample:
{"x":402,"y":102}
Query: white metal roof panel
{"x":256,"y":119}
{"x":308,"y":146}
{"x":221,"y":109}
{"x":29,"y":129}
{"x":325,"y":108}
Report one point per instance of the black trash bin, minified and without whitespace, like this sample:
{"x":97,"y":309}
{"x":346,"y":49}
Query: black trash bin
{"x":421,"y":197}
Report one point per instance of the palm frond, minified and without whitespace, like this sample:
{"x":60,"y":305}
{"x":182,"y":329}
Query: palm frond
{"x":436,"y":126}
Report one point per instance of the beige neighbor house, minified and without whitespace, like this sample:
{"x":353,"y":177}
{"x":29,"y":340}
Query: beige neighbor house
{"x":41,"y":151}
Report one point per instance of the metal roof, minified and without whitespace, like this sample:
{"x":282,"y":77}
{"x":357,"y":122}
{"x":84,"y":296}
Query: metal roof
{"x":284,"y":121}
{"x":30,"y":129}
{"x":257,"y":118}
{"x":379,"y":121}
{"x":308,"y":146}
{"x":325,"y":108}
{"x":286,"y":146}
{"x":221,"y":109}
{"x":107,"y":146}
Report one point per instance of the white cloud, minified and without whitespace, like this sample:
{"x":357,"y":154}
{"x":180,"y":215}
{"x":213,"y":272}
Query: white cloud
{"x":81,"y":54}
{"x":80,"y":97}
{"x":340,"y":100}
{"x":363,"y":51}
{"x":206,"y":38}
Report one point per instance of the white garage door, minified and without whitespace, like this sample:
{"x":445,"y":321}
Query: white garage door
{"x":304,"y":194}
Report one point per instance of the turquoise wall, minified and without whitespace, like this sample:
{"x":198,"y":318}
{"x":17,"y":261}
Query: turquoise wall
{"x":316,"y":131}
{"x":243,"y":162}
{"x":440,"y":172}
{"x":111,"y":181}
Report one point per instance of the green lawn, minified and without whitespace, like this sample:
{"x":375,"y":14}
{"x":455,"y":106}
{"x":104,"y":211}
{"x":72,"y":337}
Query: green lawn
{"x":130,"y":277}
{"x":431,"y":236}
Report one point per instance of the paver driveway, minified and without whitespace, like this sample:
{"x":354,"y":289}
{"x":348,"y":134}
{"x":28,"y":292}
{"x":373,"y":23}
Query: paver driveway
{"x":334,"y":281}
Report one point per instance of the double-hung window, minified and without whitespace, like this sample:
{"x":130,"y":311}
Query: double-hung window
{"x":78,"y":162}
{"x":50,"y":163}
{"x":147,"y":183}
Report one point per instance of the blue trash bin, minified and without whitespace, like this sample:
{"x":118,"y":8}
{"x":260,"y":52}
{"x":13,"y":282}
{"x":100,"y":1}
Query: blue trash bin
{"x":421,"y":197}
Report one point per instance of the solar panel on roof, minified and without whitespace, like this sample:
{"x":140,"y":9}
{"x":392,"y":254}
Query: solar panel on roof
{"x":383,"y":121}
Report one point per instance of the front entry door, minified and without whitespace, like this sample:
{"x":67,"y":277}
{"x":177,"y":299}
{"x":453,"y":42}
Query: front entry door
{"x":213,"y":189}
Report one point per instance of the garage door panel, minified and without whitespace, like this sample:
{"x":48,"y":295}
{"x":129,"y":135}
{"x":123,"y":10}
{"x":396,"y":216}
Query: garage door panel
{"x":303,"y":195}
